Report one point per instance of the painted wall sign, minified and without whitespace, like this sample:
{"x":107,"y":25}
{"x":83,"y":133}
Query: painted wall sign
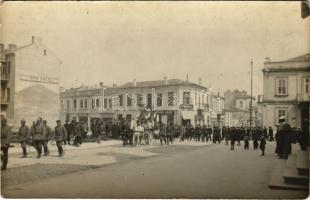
{"x":44,"y":79}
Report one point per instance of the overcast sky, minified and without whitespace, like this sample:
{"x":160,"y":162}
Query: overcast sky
{"x":115,"y":42}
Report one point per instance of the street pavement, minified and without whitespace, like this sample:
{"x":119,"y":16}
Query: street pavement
{"x":182,"y":170}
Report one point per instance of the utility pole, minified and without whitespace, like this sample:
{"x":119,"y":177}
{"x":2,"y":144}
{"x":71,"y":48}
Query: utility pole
{"x":251,"y":97}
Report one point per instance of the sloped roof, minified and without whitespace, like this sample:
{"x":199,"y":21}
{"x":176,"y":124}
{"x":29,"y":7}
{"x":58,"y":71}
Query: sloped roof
{"x":158,"y":83}
{"x":302,"y":58}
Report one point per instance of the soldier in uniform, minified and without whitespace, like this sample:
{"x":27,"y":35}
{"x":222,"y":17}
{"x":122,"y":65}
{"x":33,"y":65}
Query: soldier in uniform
{"x":262,"y":144}
{"x":162,"y":133}
{"x":78,"y":134}
{"x":6,"y":136}
{"x":182,"y":133}
{"x":255,"y":138}
{"x":270,"y":133}
{"x":60,"y":137}
{"x":38,"y":135}
{"x":48,"y":136}
{"x":169,"y":134}
{"x":23,"y":136}
{"x":246,"y":138}
{"x":216,"y":135}
{"x":232,"y":137}
{"x":69,"y":130}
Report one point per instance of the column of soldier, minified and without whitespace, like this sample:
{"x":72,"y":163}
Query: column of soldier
{"x":39,"y":135}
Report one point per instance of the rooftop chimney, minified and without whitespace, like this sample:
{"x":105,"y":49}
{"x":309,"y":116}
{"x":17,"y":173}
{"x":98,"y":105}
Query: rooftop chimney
{"x":12,"y":46}
{"x":35,"y":39}
{"x":267,"y":59}
{"x":166,"y":81}
{"x":199,"y":81}
{"x":134,"y":82}
{"x":187,"y":77}
{"x":101,"y":84}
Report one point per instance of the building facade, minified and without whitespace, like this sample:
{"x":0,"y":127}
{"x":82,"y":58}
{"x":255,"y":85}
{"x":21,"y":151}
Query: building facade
{"x":287,"y":91}
{"x":30,"y":78}
{"x":171,"y":100}
{"x":237,"y":109}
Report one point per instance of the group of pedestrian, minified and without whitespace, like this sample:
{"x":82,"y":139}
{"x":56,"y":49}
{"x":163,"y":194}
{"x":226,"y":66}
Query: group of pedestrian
{"x":245,"y":134}
{"x":38,"y":136}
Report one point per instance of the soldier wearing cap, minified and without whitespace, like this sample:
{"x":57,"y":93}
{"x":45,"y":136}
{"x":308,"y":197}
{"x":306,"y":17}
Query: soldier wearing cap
{"x":6,"y":136}
{"x":60,"y":137}
{"x":38,"y":135}
{"x":47,"y":137}
{"x":23,"y":136}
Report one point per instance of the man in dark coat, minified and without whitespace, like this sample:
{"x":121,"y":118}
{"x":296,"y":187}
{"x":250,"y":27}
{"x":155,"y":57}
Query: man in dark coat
{"x":216,"y":135}
{"x":6,"y":136}
{"x":38,"y":135}
{"x":246,"y":138}
{"x":265,"y":132}
{"x":162,"y":133}
{"x":262,"y":144}
{"x":270,"y":133}
{"x":78,"y":134}
{"x":232,"y":137}
{"x":68,"y":128}
{"x":255,"y":138}
{"x":285,"y":138}
{"x":23,"y":136}
{"x":60,"y":137}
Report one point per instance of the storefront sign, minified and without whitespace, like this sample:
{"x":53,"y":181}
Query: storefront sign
{"x":43,"y":79}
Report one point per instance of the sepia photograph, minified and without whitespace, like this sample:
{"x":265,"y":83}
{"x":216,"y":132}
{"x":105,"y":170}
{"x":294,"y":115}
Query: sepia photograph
{"x":155,"y":99}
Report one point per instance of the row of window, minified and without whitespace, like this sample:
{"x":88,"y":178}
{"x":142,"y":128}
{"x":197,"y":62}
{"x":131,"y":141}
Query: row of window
{"x":282,"y":85}
{"x":141,"y":101}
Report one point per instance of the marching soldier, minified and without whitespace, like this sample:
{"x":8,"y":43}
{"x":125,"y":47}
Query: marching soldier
{"x":38,"y":135}
{"x":6,"y":136}
{"x":23,"y":136}
{"x":60,"y":137}
{"x":47,"y":137}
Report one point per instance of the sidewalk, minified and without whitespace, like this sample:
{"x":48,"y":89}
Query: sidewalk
{"x":95,"y":154}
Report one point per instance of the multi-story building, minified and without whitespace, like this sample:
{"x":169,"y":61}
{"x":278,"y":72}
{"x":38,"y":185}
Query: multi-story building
{"x":29,"y":82}
{"x":85,"y":103}
{"x":172,"y":100}
{"x":237,"y":108}
{"x":287,"y":91}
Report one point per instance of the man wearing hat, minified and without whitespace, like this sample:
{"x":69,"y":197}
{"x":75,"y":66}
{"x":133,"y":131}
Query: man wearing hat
{"x":38,"y":135}
{"x":60,"y":137}
{"x":6,"y":136}
{"x":23,"y":136}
